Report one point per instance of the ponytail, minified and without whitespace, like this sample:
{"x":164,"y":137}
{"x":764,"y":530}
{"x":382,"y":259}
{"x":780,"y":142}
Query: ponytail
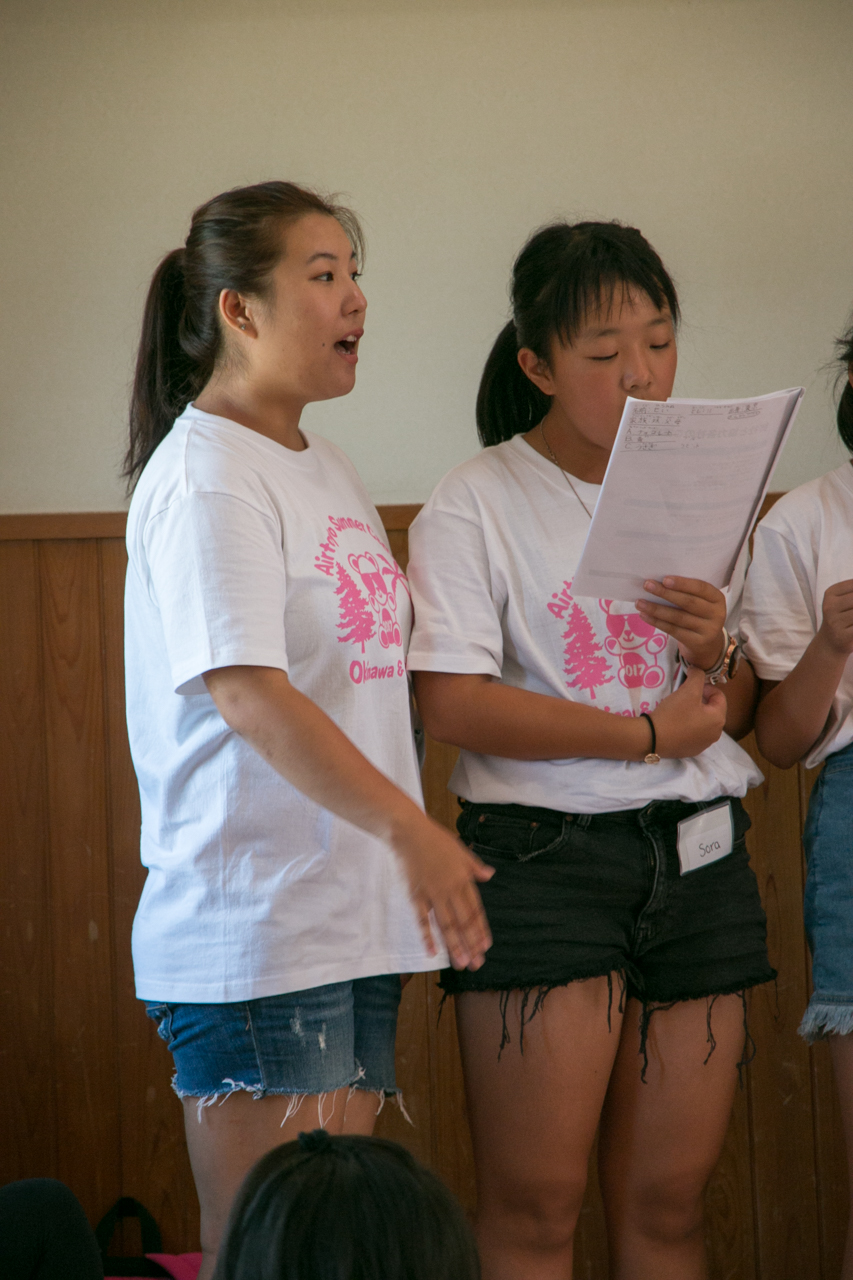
{"x":562,"y":273}
{"x":235,"y":242}
{"x":166,"y":378}
{"x":844,"y":345}
{"x":507,"y":402}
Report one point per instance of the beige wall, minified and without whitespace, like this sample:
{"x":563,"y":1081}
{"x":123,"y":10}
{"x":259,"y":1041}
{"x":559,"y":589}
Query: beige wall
{"x":722,"y":129}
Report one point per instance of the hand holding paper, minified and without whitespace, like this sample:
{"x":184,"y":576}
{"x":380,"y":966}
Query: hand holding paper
{"x":694,"y":616}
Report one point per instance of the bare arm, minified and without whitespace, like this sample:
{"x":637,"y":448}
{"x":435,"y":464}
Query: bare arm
{"x":308,"y":749}
{"x":793,"y":712}
{"x":483,"y":715}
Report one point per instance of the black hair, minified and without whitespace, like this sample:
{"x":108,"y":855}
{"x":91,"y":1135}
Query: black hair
{"x":345,"y":1208}
{"x":844,"y":348}
{"x":562,"y":273}
{"x":235,"y":242}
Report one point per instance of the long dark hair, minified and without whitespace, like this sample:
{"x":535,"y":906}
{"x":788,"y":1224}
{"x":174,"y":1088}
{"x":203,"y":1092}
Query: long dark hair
{"x":844,"y":347}
{"x":235,"y":242}
{"x":345,"y":1208}
{"x":563,"y":271}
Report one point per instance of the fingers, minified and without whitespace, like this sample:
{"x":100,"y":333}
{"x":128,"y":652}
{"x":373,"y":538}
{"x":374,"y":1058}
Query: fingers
{"x":480,"y":870}
{"x":424,"y":924}
{"x":463,"y":926}
{"x":692,"y":588}
{"x":715,"y":699}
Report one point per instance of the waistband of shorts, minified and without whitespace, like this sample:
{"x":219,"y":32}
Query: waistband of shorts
{"x":668,"y":810}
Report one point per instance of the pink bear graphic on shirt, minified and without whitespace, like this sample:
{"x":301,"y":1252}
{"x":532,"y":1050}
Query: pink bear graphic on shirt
{"x":628,"y":635}
{"x":381,"y":595}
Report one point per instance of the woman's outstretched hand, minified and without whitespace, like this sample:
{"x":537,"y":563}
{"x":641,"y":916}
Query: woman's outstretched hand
{"x":691,"y":719}
{"x":443,"y":878}
{"x":694,"y":615}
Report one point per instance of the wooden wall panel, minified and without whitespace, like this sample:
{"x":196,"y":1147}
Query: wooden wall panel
{"x":85,"y":1062}
{"x":779,"y":1079}
{"x":155,"y":1166}
{"x":91,"y":1100}
{"x":28,"y":1114}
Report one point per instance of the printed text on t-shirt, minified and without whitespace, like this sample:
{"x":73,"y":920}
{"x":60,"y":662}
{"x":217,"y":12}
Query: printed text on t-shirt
{"x":367,"y":580}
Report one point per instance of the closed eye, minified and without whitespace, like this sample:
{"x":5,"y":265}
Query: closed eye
{"x":603,"y":358}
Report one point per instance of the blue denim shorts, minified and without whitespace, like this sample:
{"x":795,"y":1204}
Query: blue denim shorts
{"x":305,"y":1042}
{"x":828,"y":840}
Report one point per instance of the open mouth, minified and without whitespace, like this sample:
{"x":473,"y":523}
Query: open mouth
{"x":347,"y":346}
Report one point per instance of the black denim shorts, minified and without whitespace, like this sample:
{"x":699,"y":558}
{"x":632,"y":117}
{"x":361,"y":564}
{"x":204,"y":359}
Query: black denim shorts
{"x":579,"y":896}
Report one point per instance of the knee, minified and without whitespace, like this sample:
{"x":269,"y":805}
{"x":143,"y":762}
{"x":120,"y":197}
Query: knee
{"x":539,"y":1217}
{"x":669,"y":1210}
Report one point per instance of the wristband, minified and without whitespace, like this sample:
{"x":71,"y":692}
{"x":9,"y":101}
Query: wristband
{"x":725,"y":668}
{"x":652,"y":756}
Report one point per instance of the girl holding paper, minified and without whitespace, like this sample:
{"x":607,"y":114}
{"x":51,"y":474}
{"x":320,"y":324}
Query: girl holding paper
{"x":614,"y":991}
{"x":798,"y":629}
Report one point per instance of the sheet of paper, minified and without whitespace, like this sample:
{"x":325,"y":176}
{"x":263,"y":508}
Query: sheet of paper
{"x":682,"y":490}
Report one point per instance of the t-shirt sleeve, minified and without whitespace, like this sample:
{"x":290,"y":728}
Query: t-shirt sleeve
{"x":216,"y":572}
{"x":778,"y":619}
{"x":457,"y":621}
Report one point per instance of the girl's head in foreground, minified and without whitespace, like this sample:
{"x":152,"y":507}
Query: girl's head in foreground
{"x":594,"y":314}
{"x":265,"y":288}
{"x":345,"y":1208}
{"x":844,"y":346}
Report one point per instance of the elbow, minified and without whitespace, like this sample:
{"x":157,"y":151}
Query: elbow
{"x":437,"y":724}
{"x":774,"y":752}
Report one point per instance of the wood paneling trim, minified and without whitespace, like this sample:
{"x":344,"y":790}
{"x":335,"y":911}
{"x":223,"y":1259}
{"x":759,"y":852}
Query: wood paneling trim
{"x":112,"y":524}
{"x":63,"y":524}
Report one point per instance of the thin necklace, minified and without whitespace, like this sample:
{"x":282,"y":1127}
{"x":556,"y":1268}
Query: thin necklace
{"x":553,"y":458}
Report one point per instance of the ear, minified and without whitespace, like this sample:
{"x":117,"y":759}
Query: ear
{"x":234,"y":310}
{"x":536,"y":370}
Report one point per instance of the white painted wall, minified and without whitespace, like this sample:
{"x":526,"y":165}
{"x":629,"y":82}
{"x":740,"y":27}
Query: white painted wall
{"x":720,"y":127}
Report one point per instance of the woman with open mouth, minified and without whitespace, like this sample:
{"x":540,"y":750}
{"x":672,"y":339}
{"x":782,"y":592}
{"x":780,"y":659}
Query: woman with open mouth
{"x":292,"y":872}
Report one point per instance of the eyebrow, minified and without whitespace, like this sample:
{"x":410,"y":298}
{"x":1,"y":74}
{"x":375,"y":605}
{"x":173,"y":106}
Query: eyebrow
{"x":608,"y":333}
{"x":323,"y":253}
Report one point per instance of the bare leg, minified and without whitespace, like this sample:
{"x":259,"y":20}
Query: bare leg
{"x":841,"y":1048}
{"x":533,"y":1120}
{"x":227,"y":1138}
{"x":660,"y":1141}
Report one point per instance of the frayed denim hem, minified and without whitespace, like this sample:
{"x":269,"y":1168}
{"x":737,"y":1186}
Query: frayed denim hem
{"x":822,"y":1019}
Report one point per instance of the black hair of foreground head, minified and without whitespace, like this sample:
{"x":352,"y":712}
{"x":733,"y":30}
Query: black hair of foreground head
{"x":844,"y":347}
{"x":345,"y":1208}
{"x":564,"y":273}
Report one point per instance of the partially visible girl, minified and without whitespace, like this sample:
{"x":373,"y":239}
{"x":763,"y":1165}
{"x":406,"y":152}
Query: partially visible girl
{"x":345,"y":1208}
{"x":798,"y":629}
{"x":292,"y":872}
{"x":614,"y":988}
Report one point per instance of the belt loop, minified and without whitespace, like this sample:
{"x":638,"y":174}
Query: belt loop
{"x":582,"y":819}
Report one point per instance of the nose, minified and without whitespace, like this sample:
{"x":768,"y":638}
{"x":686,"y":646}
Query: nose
{"x":637,"y":375}
{"x":355,"y":300}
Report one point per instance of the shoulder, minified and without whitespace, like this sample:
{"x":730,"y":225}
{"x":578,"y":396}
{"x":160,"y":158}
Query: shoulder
{"x":800,"y":514}
{"x":202,"y":458}
{"x":475,"y":482}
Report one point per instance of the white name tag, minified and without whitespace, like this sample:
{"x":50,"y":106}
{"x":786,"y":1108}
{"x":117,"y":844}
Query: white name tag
{"x":705,"y":837}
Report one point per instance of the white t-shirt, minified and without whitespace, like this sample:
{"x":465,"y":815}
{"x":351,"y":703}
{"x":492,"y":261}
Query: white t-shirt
{"x":802,"y":546}
{"x":492,"y":556}
{"x":244,"y":552}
